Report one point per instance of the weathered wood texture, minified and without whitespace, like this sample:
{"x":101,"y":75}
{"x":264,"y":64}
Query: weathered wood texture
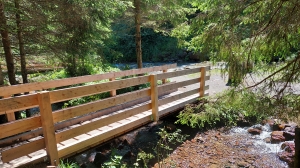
{"x":91,"y":133}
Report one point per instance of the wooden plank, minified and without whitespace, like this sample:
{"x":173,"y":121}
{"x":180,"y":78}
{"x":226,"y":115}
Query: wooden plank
{"x":48,"y":127}
{"x":202,"y":81}
{"x":154,"y":97}
{"x":65,"y":114}
{"x":10,"y":115}
{"x":10,"y":90}
{"x":178,"y":105}
{"x":36,"y":157}
{"x":18,"y":103}
{"x":172,"y":86}
{"x":113,"y":92}
{"x":22,"y":150}
{"x":106,"y":134}
{"x":177,"y":73}
{"x":177,"y":97}
{"x":103,"y":121}
{"x":75,"y":92}
{"x":166,"y":87}
{"x":164,"y":81}
{"x":19,"y":126}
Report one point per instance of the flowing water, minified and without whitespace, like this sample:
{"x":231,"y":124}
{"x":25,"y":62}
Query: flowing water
{"x":257,"y":145}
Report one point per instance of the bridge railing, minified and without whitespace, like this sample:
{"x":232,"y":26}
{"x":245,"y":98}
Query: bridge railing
{"x":57,"y":143}
{"x":9,"y":91}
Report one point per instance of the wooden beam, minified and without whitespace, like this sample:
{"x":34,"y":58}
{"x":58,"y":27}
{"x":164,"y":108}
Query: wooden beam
{"x":48,"y":127}
{"x":18,"y":103}
{"x":202,"y":81}
{"x":172,"y":86}
{"x":177,"y":73}
{"x":22,"y":150}
{"x":164,"y":81}
{"x":10,"y":90}
{"x":103,"y":121}
{"x":75,"y":92}
{"x":71,"y":112}
{"x":10,"y":115}
{"x":102,"y":136}
{"x":113,"y":92}
{"x":154,"y":97}
{"x":19,"y":126}
{"x":177,"y":97}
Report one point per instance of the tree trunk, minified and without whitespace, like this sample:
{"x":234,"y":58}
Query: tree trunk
{"x":1,"y":77}
{"x":138,"y":38}
{"x":21,"y":42}
{"x":6,"y":45}
{"x":21,"y":48}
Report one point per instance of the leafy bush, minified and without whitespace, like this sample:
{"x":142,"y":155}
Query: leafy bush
{"x":67,"y":164}
{"x":227,"y":109}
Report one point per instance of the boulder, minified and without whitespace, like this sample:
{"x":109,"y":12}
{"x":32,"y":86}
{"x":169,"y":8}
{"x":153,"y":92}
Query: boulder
{"x":288,"y":147}
{"x":277,"y":137}
{"x":254,"y":131}
{"x":267,"y":140}
{"x":287,"y":157}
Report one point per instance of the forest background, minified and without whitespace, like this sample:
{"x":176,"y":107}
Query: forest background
{"x":87,"y":36}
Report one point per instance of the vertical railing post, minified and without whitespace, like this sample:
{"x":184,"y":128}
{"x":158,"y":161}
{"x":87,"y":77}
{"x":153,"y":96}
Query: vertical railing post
{"x":202,"y":81}
{"x":113,"y":92}
{"x":164,"y":81}
{"x":10,"y":115}
{"x":154,"y":97}
{"x":48,"y":127}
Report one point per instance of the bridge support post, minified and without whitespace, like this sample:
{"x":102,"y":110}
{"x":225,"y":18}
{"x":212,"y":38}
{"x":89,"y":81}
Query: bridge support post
{"x":48,"y":127}
{"x":10,"y":115}
{"x":164,"y":81}
{"x":202,"y":81}
{"x":154,"y":97}
{"x":113,"y":92}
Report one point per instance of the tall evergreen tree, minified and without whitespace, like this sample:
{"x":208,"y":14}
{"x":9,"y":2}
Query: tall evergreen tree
{"x":245,"y":31}
{"x":7,"y":46}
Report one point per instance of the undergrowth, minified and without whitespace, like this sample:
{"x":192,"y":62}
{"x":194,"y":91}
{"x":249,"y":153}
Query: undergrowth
{"x":227,"y":109}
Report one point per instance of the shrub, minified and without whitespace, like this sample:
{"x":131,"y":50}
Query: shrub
{"x":227,"y":109}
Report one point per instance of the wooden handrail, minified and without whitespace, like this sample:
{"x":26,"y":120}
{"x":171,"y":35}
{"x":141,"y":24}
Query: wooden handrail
{"x":15,"y":89}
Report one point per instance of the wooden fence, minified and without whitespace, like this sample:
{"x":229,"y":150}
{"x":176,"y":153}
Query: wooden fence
{"x":54,"y":144}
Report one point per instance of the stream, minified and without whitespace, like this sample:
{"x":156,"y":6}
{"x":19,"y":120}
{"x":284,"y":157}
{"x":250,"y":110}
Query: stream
{"x":223,"y":147}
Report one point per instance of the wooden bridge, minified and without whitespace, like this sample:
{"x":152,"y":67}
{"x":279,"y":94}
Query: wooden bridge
{"x":52,"y":135}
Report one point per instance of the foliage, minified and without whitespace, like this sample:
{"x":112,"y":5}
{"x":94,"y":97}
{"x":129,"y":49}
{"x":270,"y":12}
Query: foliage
{"x":115,"y":161}
{"x":52,"y":75}
{"x":227,"y":109}
{"x":144,"y":157}
{"x":67,"y":164}
{"x":243,"y":32}
{"x":156,"y":46}
{"x":163,"y":146}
